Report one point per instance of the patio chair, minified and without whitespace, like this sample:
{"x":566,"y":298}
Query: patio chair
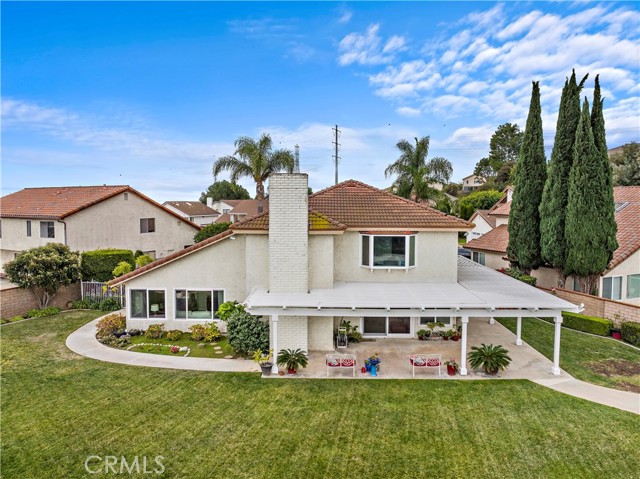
{"x":344,"y":361}
{"x":425,"y":361}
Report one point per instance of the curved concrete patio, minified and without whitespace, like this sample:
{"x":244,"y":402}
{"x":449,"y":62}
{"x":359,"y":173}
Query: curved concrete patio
{"x":527,"y":363}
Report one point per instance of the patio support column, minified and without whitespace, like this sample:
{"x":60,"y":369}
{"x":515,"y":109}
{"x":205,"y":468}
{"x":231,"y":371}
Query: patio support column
{"x":492,"y":320}
{"x":556,"y":345}
{"x":463,"y":346}
{"x":519,"y":331}
{"x":274,"y":342}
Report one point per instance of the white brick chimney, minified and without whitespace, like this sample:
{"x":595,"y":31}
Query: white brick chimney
{"x":288,"y":233}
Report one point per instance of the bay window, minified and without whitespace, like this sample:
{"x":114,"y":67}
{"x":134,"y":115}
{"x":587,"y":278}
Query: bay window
{"x":387,"y":251}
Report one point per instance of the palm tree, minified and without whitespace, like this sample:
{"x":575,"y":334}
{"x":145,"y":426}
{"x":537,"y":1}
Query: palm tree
{"x":256,"y":159}
{"x":415,"y":174}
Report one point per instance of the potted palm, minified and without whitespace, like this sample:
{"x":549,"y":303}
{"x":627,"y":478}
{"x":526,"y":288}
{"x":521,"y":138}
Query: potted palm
{"x":489,"y":358}
{"x":292,"y":359}
{"x":423,"y":334}
{"x":452,"y":367}
{"x":264,"y":361}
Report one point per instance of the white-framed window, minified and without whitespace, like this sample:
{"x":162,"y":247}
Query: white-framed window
{"x":576,"y":285}
{"x":612,"y":287}
{"x":478,"y":257}
{"x":387,"y":251}
{"x":633,"y":286}
{"x":198,"y":303}
{"x":47,"y":229}
{"x":126,"y":196}
{"x":147,"y":303}
{"x":28,"y":227}
{"x":446,"y":320}
{"x":147,"y":225}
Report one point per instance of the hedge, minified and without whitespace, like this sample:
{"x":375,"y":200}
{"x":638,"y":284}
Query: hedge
{"x":525,"y":278}
{"x":631,"y":333}
{"x":98,"y":265}
{"x":586,"y":324}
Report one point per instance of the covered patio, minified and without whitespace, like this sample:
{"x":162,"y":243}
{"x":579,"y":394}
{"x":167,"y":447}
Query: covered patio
{"x":480,"y":293}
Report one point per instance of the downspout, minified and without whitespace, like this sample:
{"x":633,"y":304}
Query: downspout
{"x":65,"y":231}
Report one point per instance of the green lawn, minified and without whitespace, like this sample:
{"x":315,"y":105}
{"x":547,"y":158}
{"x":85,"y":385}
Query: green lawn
{"x":208,"y":351}
{"x":589,"y":358}
{"x":58,"y":408}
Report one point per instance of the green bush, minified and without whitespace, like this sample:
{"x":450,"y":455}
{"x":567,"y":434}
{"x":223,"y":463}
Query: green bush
{"x":205,"y":332}
{"x":247,"y":333}
{"x":155,"y":331}
{"x":110,"y":304}
{"x":227,"y":308}
{"x":137,"y":253}
{"x":525,"y":278}
{"x":41,"y":313}
{"x":122,"y":269}
{"x":586,"y":324}
{"x":174,"y":335}
{"x":11,"y":320}
{"x":98,"y":265}
{"x":143,"y":260}
{"x":108,"y":325}
{"x":210,"y":230}
{"x":631,"y":332}
{"x":85,"y":304}
{"x":479,"y":200}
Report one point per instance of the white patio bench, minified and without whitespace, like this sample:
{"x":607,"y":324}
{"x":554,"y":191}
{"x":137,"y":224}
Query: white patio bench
{"x":425,"y":361}
{"x":344,"y":361}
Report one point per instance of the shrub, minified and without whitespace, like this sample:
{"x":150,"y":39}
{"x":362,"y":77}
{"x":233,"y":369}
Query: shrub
{"x":292,"y":359}
{"x":155,"y":331}
{"x":525,"y":278}
{"x":137,"y":253}
{"x":205,"y":332}
{"x":631,"y":332}
{"x":479,"y":200}
{"x":110,"y":304}
{"x":587,"y":324}
{"x":121,"y":269}
{"x":11,"y":320}
{"x":210,"y":230}
{"x":85,"y":304}
{"x":98,"y":265}
{"x":41,"y":313}
{"x":108,"y":340}
{"x":227,"y":309}
{"x":174,"y":335}
{"x":143,"y":260}
{"x":490,"y":358}
{"x":247,"y":333}
{"x":135,"y":332}
{"x":197,"y":332}
{"x":111,"y":323}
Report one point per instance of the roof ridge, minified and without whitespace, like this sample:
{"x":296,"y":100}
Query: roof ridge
{"x":77,"y":186}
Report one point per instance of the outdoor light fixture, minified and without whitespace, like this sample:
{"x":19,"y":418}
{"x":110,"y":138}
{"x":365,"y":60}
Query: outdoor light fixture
{"x":493,"y":308}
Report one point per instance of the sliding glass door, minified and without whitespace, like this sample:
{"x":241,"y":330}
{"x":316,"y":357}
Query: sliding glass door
{"x":390,"y":326}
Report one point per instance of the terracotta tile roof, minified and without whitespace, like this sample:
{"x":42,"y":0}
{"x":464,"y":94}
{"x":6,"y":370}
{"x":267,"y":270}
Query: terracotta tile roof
{"x":223,"y":218}
{"x":317,"y":222}
{"x":178,"y":254}
{"x":500,"y":209}
{"x":192,"y":208}
{"x":484,"y":214}
{"x":358,"y":205}
{"x":495,"y":241}
{"x":58,"y":202}
{"x":245,"y":208}
{"x":628,"y":221}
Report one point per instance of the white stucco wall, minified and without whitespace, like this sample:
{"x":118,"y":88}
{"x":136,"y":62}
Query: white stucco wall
{"x":321,"y":333}
{"x":436,"y":260}
{"x":219,"y":266}
{"x":14,"y":234}
{"x":630,"y":266}
{"x":481,"y":227}
{"x":115,"y":223}
{"x":321,"y":261}
{"x":257,"y":261}
{"x":501,"y":220}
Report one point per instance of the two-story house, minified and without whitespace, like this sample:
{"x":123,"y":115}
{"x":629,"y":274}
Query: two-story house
{"x":90,"y":217}
{"x":471,"y":182}
{"x":194,"y":211}
{"x":349,"y":252}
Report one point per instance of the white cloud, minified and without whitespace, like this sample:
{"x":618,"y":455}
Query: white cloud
{"x":366,"y":48}
{"x":408,"y":111}
{"x":345,"y":15}
{"x":395,"y":43}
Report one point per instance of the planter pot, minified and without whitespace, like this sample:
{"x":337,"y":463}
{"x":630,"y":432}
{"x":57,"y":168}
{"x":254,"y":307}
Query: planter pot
{"x":266,"y":369}
{"x":616,"y":335}
{"x":446,"y":338}
{"x":280,"y":373}
{"x":364,"y":370}
{"x":455,"y":338}
{"x":367,"y":367}
{"x":451,"y":371}
{"x":492,"y":372}
{"x":291,"y":371}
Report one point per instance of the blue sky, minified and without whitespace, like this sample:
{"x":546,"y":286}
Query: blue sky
{"x":149,"y":94}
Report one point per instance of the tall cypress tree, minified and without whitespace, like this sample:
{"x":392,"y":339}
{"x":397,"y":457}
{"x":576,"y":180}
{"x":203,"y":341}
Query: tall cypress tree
{"x":523,"y":250}
{"x":589,"y":238}
{"x":600,"y":140}
{"x":556,"y":189}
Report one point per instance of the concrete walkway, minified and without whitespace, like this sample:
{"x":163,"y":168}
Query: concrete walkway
{"x":527,"y":362}
{"x":83,"y":341}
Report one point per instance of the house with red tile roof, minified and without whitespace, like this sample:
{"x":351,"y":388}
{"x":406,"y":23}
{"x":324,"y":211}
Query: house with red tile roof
{"x":91,"y":217}
{"x":486,"y":220}
{"x":350,"y":252}
{"x":238,"y":210}
{"x":194,"y":211}
{"x":621,"y":280}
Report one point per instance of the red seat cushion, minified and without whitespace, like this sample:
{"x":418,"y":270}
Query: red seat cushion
{"x":348,"y":363}
{"x":333,"y":362}
{"x":418,"y":362}
{"x":433,"y":362}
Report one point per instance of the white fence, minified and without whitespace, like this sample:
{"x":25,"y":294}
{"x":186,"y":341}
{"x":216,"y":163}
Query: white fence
{"x":97,"y":291}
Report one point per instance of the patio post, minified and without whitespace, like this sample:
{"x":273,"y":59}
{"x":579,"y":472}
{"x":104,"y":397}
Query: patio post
{"x":274,"y":341}
{"x":519,"y":331}
{"x":556,"y":345}
{"x":492,"y":320}
{"x":464,"y":319}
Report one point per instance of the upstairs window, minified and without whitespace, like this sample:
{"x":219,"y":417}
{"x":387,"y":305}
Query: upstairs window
{"x":382,"y":251}
{"x":147,"y":225}
{"x":28,"y":227}
{"x":47,"y":229}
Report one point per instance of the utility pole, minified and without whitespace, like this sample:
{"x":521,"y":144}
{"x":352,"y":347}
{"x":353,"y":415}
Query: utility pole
{"x":296,"y":161}
{"x":336,"y":157}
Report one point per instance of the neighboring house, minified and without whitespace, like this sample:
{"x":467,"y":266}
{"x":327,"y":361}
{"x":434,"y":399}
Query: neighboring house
{"x":486,"y":220}
{"x":349,"y":252}
{"x":194,"y":211}
{"x":222,"y":206}
{"x":238,"y":210}
{"x":471,"y":182}
{"x":620,"y":282}
{"x":88,"y":218}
